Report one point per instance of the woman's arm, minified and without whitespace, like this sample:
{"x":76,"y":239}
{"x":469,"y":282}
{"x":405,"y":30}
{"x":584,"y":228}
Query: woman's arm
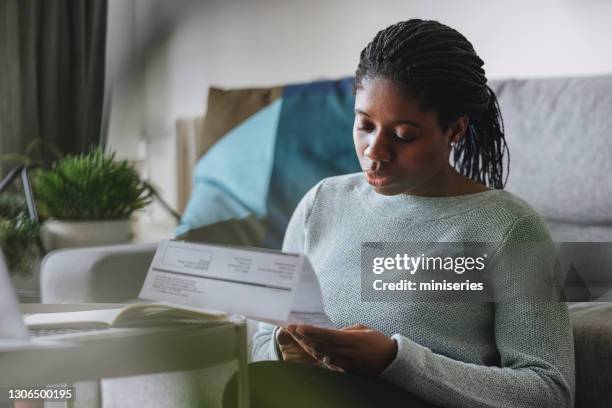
{"x":264,"y":340}
{"x":534,"y":340}
{"x":536,"y":369}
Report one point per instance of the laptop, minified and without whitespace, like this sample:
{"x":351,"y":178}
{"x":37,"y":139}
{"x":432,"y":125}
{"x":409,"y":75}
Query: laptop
{"x":11,"y":324}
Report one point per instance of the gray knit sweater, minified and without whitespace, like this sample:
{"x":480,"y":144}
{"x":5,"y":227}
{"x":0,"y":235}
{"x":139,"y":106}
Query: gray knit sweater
{"x":453,"y":354}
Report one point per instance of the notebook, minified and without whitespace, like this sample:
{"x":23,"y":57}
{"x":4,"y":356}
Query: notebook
{"x":132,"y":315}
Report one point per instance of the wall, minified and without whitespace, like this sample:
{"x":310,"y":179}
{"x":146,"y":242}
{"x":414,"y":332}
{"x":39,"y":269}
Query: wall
{"x":177,"y":49}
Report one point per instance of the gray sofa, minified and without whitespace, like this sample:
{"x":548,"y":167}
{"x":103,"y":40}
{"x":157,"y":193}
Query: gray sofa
{"x":558,"y":131}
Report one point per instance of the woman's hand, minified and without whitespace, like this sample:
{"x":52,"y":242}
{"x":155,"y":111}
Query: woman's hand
{"x":356,"y":349}
{"x":291,"y":350}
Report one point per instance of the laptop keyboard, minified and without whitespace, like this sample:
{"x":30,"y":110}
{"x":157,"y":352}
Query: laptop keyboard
{"x":51,"y":332}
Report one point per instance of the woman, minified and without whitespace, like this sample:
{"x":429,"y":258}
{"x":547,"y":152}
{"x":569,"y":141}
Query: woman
{"x":421,"y":95}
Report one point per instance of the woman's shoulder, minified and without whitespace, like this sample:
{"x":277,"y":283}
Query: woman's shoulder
{"x":343,"y":182}
{"x":330,"y":188}
{"x":327,"y":191}
{"x":519,"y":215}
{"x":329,"y":195}
{"x":516,"y":207}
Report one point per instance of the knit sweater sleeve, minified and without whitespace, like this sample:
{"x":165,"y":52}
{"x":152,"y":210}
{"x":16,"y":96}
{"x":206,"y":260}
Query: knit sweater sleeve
{"x":534,"y":340}
{"x":264,"y":340}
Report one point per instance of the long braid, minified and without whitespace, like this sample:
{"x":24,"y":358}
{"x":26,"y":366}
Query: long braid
{"x":438,"y":65}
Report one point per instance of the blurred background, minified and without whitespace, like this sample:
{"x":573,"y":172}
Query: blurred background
{"x":144,"y":64}
{"x":162,"y":56}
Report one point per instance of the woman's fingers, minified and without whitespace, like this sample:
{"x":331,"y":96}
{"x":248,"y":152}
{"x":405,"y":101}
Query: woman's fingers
{"x":321,"y":335}
{"x":322,"y":349}
{"x":357,"y":348}
{"x":290,"y":344}
{"x":356,"y":327}
{"x":300,"y":358}
{"x":339,"y":363}
{"x":314,"y":349}
{"x":299,"y":341}
{"x":295,"y":353}
{"x":335,"y":349}
{"x":283,"y":337}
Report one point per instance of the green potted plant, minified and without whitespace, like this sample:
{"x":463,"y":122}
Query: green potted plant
{"x":88,"y":199}
{"x":19,"y":240}
{"x":18,"y":234}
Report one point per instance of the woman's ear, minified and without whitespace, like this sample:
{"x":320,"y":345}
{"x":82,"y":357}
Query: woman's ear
{"x":457,"y":129}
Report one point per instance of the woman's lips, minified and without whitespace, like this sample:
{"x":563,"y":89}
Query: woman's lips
{"x":377,"y":178}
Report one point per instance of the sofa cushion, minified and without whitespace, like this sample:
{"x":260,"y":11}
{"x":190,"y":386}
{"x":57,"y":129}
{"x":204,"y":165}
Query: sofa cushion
{"x":231,"y":180}
{"x":314,"y":141}
{"x":227,"y":108}
{"x":558,"y":131}
{"x":565,"y":231}
{"x":260,"y":169}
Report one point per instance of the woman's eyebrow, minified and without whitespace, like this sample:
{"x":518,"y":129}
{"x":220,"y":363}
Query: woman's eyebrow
{"x":399,"y":121}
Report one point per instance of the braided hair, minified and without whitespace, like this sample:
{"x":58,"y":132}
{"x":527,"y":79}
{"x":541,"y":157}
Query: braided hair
{"x":438,"y":66}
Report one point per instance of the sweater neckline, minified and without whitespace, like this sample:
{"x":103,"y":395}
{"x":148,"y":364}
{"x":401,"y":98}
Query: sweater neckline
{"x":420,"y":208}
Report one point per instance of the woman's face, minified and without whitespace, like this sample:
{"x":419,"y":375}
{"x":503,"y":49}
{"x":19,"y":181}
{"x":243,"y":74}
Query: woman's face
{"x":402,"y":147}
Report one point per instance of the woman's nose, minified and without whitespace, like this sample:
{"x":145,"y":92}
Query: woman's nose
{"x":378,"y":149}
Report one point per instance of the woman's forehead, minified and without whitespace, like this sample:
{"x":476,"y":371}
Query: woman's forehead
{"x":380,"y":98}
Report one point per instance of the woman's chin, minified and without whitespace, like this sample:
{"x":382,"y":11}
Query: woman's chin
{"x":386,"y":190}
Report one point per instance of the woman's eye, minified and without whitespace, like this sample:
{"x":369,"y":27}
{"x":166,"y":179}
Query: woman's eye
{"x":403,"y":139}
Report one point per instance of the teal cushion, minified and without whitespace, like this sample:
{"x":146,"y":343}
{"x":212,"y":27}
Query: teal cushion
{"x":254,"y":176}
{"x":231,"y":180}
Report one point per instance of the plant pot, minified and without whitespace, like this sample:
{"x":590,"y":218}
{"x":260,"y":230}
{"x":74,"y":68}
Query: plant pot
{"x":57,"y":234}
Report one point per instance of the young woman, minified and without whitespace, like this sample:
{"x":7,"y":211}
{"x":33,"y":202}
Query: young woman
{"x":421,"y":98}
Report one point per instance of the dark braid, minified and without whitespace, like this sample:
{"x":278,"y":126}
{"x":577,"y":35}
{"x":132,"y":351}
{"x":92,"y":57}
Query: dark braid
{"x":438,"y":66}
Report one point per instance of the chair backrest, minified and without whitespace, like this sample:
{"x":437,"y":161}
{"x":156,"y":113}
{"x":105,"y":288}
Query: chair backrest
{"x":101,"y":274}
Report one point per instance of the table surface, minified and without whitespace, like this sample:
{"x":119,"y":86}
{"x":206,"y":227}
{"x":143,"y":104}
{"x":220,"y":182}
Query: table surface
{"x":133,"y":352}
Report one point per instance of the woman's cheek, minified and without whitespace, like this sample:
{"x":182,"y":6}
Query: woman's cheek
{"x":417,"y":159}
{"x":417,"y":166}
{"x":357,"y":140}
{"x":360,"y":142}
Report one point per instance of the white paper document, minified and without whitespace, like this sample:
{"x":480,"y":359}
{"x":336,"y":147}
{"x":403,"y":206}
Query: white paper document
{"x":261,"y":284}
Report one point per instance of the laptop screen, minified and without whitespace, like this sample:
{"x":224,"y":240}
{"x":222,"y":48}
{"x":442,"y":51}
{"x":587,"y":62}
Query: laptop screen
{"x":11,"y":323}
